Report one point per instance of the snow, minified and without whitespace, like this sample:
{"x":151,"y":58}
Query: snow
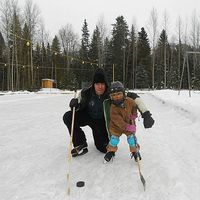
{"x":34,"y":145}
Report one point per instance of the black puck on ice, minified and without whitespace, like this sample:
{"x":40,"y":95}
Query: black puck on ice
{"x":80,"y":184}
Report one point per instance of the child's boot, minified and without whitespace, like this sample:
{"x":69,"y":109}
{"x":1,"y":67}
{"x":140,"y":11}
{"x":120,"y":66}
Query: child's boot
{"x":109,"y":155}
{"x":136,"y":156}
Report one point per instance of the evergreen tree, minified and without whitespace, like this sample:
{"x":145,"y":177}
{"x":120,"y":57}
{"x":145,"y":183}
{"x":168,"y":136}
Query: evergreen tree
{"x":159,"y":68}
{"x":95,"y":46}
{"x":37,"y":55}
{"x":49,"y":61}
{"x":109,"y":65}
{"x":37,"y":64}
{"x":55,"y":49}
{"x":85,"y":45}
{"x":2,"y":47}
{"x":194,"y":65}
{"x":2,"y":65}
{"x":143,"y":60}
{"x":196,"y":81}
{"x":84,"y":54}
{"x":43,"y":64}
{"x":26,"y":55}
{"x":131,"y":59}
{"x":175,"y":63}
{"x":119,"y":46}
{"x":142,"y":77}
{"x":16,"y":51}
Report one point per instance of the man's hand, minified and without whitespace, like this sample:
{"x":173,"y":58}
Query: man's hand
{"x":74,"y":103}
{"x":148,"y":120}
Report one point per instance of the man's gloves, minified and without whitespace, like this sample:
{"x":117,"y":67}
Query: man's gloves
{"x":148,"y":120}
{"x":74,"y":103}
{"x":132,"y":95}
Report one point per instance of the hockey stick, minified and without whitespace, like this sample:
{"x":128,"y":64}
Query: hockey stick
{"x":139,"y":168}
{"x":141,"y":176}
{"x":70,"y":145}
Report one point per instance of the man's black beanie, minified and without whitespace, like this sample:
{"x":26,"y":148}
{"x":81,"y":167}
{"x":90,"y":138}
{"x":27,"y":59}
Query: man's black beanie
{"x":99,"y":77}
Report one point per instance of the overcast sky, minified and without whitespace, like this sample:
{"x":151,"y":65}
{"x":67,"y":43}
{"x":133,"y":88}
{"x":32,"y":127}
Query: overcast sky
{"x":57,"y":13}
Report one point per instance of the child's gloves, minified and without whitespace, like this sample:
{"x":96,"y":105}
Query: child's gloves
{"x":133,"y":117}
{"x":130,"y":128}
{"x":148,"y":120}
{"x":74,"y":103}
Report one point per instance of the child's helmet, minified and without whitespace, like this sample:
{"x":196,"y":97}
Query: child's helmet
{"x":117,"y":86}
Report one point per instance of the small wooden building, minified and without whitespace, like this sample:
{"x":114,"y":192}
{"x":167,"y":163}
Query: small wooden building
{"x":47,"y":83}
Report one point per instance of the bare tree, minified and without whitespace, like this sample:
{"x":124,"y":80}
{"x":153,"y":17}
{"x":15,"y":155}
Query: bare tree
{"x":43,"y":41}
{"x":135,"y":51}
{"x":133,"y":44}
{"x":69,"y":42}
{"x":194,"y":39}
{"x":165,"y":25}
{"x":194,"y":25}
{"x":153,"y":30}
{"x":180,"y":35}
{"x":185,"y":36}
{"x":31,"y":14}
{"x":103,"y":33}
{"x":6,"y":20}
{"x":42,"y":34}
{"x":198,"y":34}
{"x":32,"y":17}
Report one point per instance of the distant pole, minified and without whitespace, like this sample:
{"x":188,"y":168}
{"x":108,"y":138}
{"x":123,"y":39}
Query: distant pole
{"x":55,"y":63}
{"x":182,"y":74}
{"x":124,"y":64}
{"x":12,"y":70}
{"x":32,"y":72}
{"x":186,"y":62}
{"x":189,"y":82}
{"x":113,"y":72}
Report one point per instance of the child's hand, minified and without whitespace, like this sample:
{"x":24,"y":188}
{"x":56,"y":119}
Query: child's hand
{"x":133,"y":117}
{"x":130,"y":128}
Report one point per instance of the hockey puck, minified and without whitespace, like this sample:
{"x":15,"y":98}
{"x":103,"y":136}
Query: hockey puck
{"x":80,"y":184}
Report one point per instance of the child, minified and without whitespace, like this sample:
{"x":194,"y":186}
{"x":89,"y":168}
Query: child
{"x":123,"y":112}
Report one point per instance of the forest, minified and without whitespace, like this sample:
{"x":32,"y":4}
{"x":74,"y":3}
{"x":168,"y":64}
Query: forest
{"x":148,"y":57}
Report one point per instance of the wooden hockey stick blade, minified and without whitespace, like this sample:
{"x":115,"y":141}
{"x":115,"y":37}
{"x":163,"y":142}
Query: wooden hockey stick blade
{"x":143,"y":181}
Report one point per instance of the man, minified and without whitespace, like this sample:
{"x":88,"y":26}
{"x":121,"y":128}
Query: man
{"x":89,"y":111}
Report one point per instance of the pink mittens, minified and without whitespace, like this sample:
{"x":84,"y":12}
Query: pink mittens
{"x":130,"y":128}
{"x":133,"y":117}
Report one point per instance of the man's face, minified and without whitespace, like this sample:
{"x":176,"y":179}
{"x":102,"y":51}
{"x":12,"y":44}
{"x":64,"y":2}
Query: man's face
{"x":99,"y":88}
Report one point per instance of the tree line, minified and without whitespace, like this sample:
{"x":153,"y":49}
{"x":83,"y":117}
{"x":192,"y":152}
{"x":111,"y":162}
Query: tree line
{"x":140,"y":59}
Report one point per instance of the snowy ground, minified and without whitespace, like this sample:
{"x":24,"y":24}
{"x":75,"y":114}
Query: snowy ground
{"x":34,"y":144}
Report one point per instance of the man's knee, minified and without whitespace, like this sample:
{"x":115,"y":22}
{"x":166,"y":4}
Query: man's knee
{"x":67,"y":118}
